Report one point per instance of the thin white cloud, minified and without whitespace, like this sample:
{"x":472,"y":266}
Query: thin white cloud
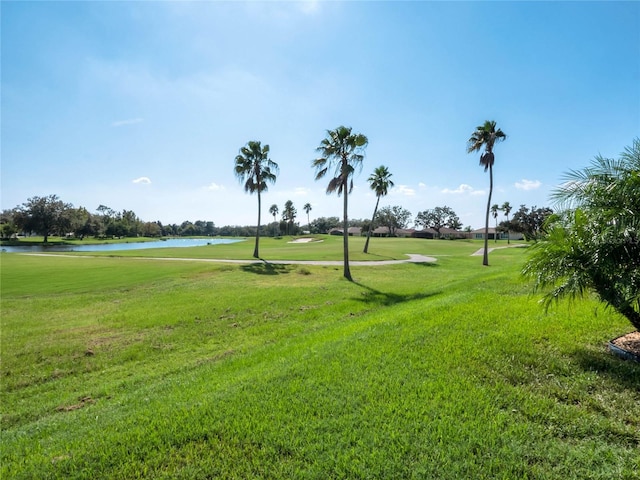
{"x":299,"y":191}
{"x":129,"y":121}
{"x":525,"y":184}
{"x":309,"y":6}
{"x":422,"y":185}
{"x":404,"y":190}
{"x":143,"y":180}
{"x":463,"y":188}
{"x":214,"y":187}
{"x":283,"y":12}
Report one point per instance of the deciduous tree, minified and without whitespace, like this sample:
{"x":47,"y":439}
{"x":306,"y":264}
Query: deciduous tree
{"x":529,"y":221}
{"x":42,"y":215}
{"x":393,"y":218}
{"x":438,"y":218}
{"x":324,"y":224}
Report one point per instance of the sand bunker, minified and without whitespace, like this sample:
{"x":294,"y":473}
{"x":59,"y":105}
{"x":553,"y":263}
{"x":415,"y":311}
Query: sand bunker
{"x":304,"y":240}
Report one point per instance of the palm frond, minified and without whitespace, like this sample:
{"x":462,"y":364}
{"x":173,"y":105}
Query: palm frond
{"x":341,"y":151}
{"x":335,"y":184}
{"x":487,"y":160}
{"x":594,"y":245}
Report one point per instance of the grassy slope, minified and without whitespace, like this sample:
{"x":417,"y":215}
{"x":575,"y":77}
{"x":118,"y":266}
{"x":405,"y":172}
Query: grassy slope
{"x":122,"y":368}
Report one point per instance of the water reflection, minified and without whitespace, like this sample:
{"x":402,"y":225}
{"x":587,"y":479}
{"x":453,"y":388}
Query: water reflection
{"x":114,"y":247}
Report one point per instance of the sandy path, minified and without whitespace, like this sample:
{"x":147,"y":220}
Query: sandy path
{"x":413,"y":258}
{"x":481,"y":251}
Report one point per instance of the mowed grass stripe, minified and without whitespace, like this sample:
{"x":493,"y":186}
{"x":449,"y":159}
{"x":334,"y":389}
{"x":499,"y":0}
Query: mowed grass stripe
{"x":445,"y":371}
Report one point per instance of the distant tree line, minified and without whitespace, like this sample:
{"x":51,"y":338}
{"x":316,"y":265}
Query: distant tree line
{"x":51,"y":216}
{"x":529,"y":221}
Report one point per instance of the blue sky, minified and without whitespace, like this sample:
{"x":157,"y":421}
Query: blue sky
{"x":144,"y":105}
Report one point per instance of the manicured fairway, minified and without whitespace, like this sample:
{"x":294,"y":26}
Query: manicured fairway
{"x":124,"y":367}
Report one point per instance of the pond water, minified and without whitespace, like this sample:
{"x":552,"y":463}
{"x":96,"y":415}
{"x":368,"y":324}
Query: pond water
{"x":114,"y":247}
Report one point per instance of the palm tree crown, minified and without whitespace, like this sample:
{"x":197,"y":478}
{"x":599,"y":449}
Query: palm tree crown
{"x":341,"y":151}
{"x":273,"y":210}
{"x":380,"y":182}
{"x":485,"y":136}
{"x":254,"y":167}
{"x":506,"y":208}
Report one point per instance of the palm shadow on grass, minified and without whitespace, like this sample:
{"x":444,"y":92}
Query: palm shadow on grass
{"x":265,"y":268}
{"x":385,"y":299}
{"x":623,"y":372}
{"x":426,"y":264}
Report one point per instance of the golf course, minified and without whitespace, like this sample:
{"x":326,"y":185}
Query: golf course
{"x":164,"y":364}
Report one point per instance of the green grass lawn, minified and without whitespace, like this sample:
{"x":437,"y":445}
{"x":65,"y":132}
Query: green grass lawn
{"x":324,"y":247}
{"x":124,"y":367}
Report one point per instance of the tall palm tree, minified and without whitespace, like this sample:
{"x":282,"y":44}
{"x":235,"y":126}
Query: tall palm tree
{"x":273,"y":210}
{"x":494,"y":211}
{"x":341,"y":151}
{"x":380,"y":182}
{"x":289,"y":214}
{"x":486,"y":136}
{"x":307,"y":209}
{"x":506,"y":208}
{"x":254,"y":167}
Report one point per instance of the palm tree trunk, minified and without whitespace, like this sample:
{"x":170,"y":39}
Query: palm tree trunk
{"x":631,"y":315}
{"x":508,"y":232}
{"x":485,"y":257}
{"x":255,"y":250}
{"x":345,"y":233}
{"x":609,"y":294}
{"x":366,"y":244}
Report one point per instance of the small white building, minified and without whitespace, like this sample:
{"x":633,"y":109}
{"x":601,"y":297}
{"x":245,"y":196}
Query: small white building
{"x":479,"y":235}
